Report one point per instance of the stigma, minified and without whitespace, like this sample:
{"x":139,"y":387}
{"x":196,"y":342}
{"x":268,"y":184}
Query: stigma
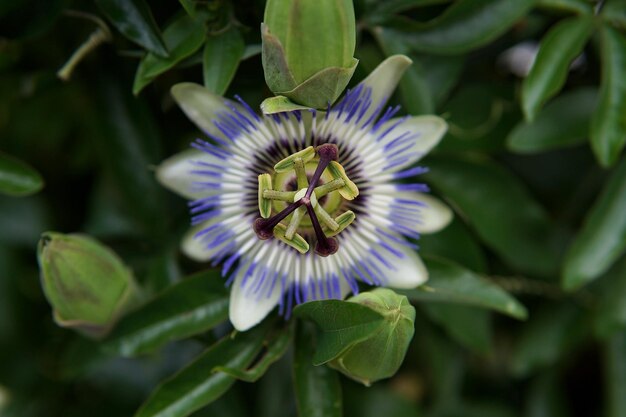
{"x":287,"y":223}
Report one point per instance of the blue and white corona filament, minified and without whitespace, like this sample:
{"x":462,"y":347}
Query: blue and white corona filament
{"x":298,"y":206}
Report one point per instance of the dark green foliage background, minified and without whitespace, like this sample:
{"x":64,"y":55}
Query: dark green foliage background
{"x":540,"y":206}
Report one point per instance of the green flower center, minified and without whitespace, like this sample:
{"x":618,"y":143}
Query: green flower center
{"x":320,"y":184}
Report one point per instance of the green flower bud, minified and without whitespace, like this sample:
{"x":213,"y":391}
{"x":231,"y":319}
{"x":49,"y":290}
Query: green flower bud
{"x":381,"y":355}
{"x":308,"y":48}
{"x":86,"y":283}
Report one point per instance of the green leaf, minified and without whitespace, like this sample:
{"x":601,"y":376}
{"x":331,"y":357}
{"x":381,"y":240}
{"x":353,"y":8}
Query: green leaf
{"x":198,"y":384}
{"x":18,"y":178}
{"x":222,"y":54}
{"x":317,"y":388}
{"x":576,"y":6}
{"x":615,"y":12}
{"x":615,"y":375}
{"x":550,"y":335}
{"x":189,"y":307}
{"x":134,"y":19}
{"x":563,"y":122}
{"x":341,"y":323}
{"x":276,"y":348}
{"x":498,"y":206}
{"x":546,"y":396}
{"x":611,"y":312}
{"x":451,"y":283}
{"x":127,"y":142}
{"x":602,"y":238}
{"x":564,"y":42}
{"x":456,"y":243}
{"x":468,"y":25}
{"x":608,"y":127}
{"x":183,"y":37}
{"x":469,"y":326}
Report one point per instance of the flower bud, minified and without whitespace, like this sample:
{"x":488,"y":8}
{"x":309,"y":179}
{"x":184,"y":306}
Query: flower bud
{"x":308,"y":48}
{"x":86,"y":283}
{"x":381,"y":355}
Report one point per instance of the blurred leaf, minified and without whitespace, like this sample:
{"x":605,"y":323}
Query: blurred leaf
{"x":383,"y":9}
{"x":189,"y":6}
{"x":576,"y":6}
{"x":18,"y":178}
{"x":563,"y":122}
{"x":23,"y":19}
{"x":198,"y":384}
{"x":341,"y":323}
{"x":467,"y":25}
{"x":376,"y":401}
{"x":608,"y":127}
{"x":615,"y":375}
{"x":451,"y":283}
{"x":550,"y":335}
{"x":127,"y":142}
{"x":192,"y":306}
{"x":468,"y":326}
{"x":546,"y":396}
{"x":615,"y":12}
{"x":456,"y":243}
{"x":602,"y":238}
{"x":134,"y":19}
{"x":611,"y":313}
{"x":498,"y":206}
{"x":558,"y":48}
{"x":317,"y":388}
{"x":183,"y":37}
{"x":416,"y":95}
{"x":23,"y":220}
{"x":222,"y":54}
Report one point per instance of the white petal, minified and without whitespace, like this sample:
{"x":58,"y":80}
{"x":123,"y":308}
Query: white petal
{"x":409,"y":271}
{"x":434,"y":214}
{"x":384,"y":79}
{"x":194,"y":248}
{"x":423,"y":133}
{"x":247,"y":308}
{"x":201,"y":106}
{"x":175,"y":173}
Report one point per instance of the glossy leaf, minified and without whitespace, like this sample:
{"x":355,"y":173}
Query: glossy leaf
{"x":18,"y":178}
{"x":501,"y":211}
{"x":602,"y":238}
{"x":276,"y":348}
{"x":451,"y":283}
{"x":468,"y":25}
{"x":221,"y":57}
{"x":549,"y":336}
{"x":469,"y":326}
{"x":182,"y":37}
{"x":563,"y":122}
{"x":561,"y":45}
{"x":341,"y":324}
{"x":608,"y":127}
{"x":189,"y":307}
{"x":611,"y":312}
{"x":198,"y":384}
{"x":615,"y":12}
{"x":317,"y":388}
{"x":134,"y":19}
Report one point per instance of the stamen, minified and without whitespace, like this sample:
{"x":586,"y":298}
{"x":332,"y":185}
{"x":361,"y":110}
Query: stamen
{"x":325,"y":246}
{"x":327,"y":152}
{"x":264,"y":227}
{"x":305,"y":201}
